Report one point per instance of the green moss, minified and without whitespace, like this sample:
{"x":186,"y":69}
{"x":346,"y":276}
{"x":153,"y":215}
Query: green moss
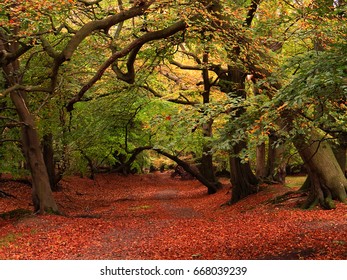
{"x":141,"y":207}
{"x":7,"y":239}
{"x":329,"y":204}
{"x":16,"y":214}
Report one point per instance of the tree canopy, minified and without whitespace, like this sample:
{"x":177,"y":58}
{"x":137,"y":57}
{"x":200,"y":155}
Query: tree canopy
{"x":88,"y":84}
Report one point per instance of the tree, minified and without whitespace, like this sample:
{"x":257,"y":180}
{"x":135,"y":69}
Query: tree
{"x":311,"y":104}
{"x":13,"y":49}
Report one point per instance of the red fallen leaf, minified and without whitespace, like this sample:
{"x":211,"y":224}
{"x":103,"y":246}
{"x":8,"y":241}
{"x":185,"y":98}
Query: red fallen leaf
{"x":129,"y":218}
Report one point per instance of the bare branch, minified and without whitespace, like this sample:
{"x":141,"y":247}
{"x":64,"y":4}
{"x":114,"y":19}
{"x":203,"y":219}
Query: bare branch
{"x":48,"y":48}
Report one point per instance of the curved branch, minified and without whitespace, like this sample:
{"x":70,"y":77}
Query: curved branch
{"x":7,"y":57}
{"x":134,"y":47}
{"x":103,"y":24}
{"x":176,"y":100}
{"x":89,"y":28}
{"x":187,"y":67}
{"x":211,"y":187}
{"x":24,"y":88}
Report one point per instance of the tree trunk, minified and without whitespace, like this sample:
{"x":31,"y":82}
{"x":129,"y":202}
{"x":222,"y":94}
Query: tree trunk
{"x":327,"y":181}
{"x":340,"y":151}
{"x":243,"y":181}
{"x":206,"y":168}
{"x":276,"y":165}
{"x":260,"y":170}
{"x":41,"y":191}
{"x":211,"y":187}
{"x":48,"y":156}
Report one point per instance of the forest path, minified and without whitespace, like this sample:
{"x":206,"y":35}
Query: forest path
{"x":154,"y":216}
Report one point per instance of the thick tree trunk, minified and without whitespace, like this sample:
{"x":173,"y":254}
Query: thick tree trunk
{"x":243,"y":181}
{"x":41,"y":191}
{"x":327,"y":181}
{"x":340,"y":151}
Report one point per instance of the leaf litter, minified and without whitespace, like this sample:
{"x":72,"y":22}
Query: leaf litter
{"x":154,"y":216}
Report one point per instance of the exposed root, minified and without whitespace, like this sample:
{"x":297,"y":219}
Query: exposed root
{"x":5,"y":194}
{"x":287,"y":196}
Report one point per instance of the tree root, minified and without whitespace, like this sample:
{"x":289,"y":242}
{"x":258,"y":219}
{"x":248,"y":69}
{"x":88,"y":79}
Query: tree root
{"x":5,"y":194}
{"x":287,"y":196}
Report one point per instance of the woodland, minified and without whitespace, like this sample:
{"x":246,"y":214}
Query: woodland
{"x":157,"y":129}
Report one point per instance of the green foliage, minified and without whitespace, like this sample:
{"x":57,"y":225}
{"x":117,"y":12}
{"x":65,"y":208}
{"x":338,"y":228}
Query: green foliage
{"x":317,"y":90}
{"x":115,"y":118}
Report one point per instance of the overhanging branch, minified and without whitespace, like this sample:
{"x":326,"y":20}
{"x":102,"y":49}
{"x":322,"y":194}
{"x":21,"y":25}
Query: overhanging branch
{"x":134,"y":46}
{"x":24,"y":88}
{"x":173,"y":100}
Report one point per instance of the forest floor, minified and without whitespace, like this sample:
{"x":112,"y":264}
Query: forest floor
{"x":157,"y":217}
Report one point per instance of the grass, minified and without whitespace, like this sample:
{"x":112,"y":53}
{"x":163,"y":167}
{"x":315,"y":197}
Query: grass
{"x":295,"y":181}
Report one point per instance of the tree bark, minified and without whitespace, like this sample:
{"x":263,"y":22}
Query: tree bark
{"x":260,"y":170}
{"x":243,"y":181}
{"x":276,"y":166}
{"x":206,"y":168}
{"x":327,"y":181}
{"x":48,"y":156}
{"x":211,"y":187}
{"x":41,"y":191}
{"x":340,"y":151}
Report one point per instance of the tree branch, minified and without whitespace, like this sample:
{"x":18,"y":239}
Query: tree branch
{"x":187,"y":67}
{"x":133,"y":46}
{"x":24,"y":88}
{"x":252,"y":9}
{"x":89,"y":28}
{"x":175,"y":100}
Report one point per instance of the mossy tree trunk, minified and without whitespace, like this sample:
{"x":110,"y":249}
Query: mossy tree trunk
{"x":276,"y":165}
{"x":327,"y":180}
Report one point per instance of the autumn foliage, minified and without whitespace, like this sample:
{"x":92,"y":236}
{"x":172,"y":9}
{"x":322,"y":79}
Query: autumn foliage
{"x":154,"y":216}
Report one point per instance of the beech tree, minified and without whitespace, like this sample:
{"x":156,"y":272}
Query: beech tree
{"x":310,"y":100}
{"x":124,"y":31}
{"x":15,"y":46}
